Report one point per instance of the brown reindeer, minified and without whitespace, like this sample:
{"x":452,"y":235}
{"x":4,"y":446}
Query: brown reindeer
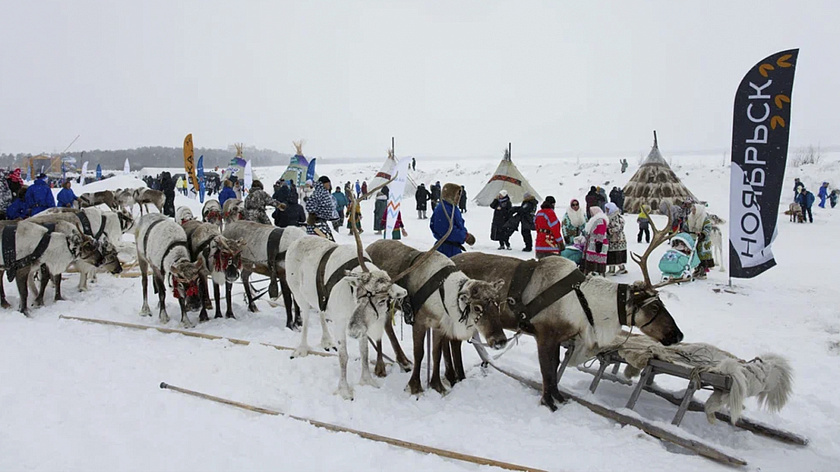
{"x":553,"y":301}
{"x":92,"y":199}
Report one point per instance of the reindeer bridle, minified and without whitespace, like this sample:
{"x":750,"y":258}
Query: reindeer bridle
{"x":192,"y":286}
{"x":639,"y":299}
{"x":223,"y":259}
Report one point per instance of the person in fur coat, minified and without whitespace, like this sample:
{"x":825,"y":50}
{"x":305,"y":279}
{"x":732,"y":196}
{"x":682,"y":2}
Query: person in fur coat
{"x":439,"y":223}
{"x":617,"y":255}
{"x":549,"y":240}
{"x":574,"y":222}
{"x":700,"y":226}
{"x":597,"y":243}
{"x":500,"y":229}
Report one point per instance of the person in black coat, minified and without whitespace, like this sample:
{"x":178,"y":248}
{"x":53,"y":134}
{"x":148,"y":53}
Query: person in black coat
{"x":294,"y":215}
{"x":421,"y":196}
{"x":462,"y":204}
{"x":501,"y":228}
{"x":167,"y":186}
{"x":435,"y":191}
{"x":281,"y":191}
{"x":525,"y":214}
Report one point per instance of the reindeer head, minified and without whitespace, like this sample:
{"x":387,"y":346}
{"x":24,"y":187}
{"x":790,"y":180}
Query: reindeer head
{"x":233,"y":212}
{"x":373,"y":293}
{"x":478,"y":303}
{"x":227,"y":256}
{"x":126,"y":220}
{"x":183,"y":215}
{"x":184,"y":278}
{"x":644,"y":307}
{"x":110,"y":261}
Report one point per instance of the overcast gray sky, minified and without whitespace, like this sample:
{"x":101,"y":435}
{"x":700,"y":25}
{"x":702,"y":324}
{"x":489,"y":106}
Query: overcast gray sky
{"x":446,"y":78}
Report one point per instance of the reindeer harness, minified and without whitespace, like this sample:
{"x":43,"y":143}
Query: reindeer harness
{"x":323,"y":288}
{"x":85,"y":221}
{"x":193,"y":285}
{"x":525,"y":312}
{"x":10,"y":261}
{"x":432,"y":285}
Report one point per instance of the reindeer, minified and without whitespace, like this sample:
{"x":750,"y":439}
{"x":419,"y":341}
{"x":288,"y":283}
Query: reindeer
{"x":143,"y":196}
{"x":553,"y":301}
{"x":183,"y":214}
{"x":27,"y":244}
{"x":233,"y":210}
{"x":92,"y":199}
{"x":125,"y":199}
{"x":162,"y":245}
{"x":102,"y":227}
{"x":212,"y":213}
{"x":221,"y":258}
{"x":264,"y":252}
{"x":461,"y":306}
{"x":336,"y":279}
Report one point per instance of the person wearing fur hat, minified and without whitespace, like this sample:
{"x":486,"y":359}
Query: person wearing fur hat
{"x":597,"y":242}
{"x":549,"y":237}
{"x":700,"y":225}
{"x":525,"y":214}
{"x":321,"y":209}
{"x":66,"y":197}
{"x":574,"y":221}
{"x":500,"y":230}
{"x":439,"y":223}
{"x":256,"y":201}
{"x":617,"y":254}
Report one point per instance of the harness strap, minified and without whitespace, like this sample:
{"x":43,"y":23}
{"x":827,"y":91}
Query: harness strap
{"x":584,"y":304}
{"x":101,"y":228}
{"x":148,"y":232}
{"x":521,"y":278}
{"x":621,"y":303}
{"x":435,"y":283}
{"x":10,"y":253}
{"x":272,"y":246}
{"x":525,"y":312}
{"x":169,"y":249}
{"x":323,"y":295}
{"x":205,"y":246}
{"x":85,"y":221}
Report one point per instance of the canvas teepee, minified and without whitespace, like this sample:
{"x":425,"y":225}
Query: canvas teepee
{"x":296,"y":172}
{"x":506,"y":177}
{"x":654,"y":183}
{"x":387,"y":171}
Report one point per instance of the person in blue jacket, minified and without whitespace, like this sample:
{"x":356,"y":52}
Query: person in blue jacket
{"x":227,"y":193}
{"x":439,"y":224}
{"x":66,"y":197}
{"x":39,"y":197}
{"x":17,"y":210}
{"x":805,"y":199}
{"x":823,"y":194}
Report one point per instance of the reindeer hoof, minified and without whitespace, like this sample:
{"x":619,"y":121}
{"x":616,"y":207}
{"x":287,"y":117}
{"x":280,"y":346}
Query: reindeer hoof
{"x":549,"y":403}
{"x":368,"y":380}
{"x":346,"y":392}
{"x":5,"y":304}
{"x":218,"y":315}
{"x":379,"y":370}
{"x":301,"y":351}
{"x":293,"y":327}
{"x":414,"y":389}
{"x":253,"y":308}
{"x":438,"y":387}
{"x":230,"y":315}
{"x":202,"y":317}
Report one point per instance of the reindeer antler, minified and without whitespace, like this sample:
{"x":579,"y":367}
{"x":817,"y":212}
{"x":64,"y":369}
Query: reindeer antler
{"x":659,"y":237}
{"x":353,"y":203}
{"x":420,"y":260}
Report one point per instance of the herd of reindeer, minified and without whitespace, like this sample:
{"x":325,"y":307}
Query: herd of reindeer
{"x":358,"y":289}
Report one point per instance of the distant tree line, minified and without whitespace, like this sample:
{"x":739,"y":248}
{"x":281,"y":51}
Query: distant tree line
{"x":159,"y":156}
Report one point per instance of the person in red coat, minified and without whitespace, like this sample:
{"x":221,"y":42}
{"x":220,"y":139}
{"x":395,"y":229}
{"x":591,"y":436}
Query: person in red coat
{"x":399,"y":227}
{"x":549,"y":238}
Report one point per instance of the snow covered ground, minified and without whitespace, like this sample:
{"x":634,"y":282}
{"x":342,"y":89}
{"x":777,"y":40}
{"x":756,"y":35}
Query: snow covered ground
{"x":76,"y":396}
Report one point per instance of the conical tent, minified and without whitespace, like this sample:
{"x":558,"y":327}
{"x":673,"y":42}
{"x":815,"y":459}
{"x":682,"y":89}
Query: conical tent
{"x":654,"y":183}
{"x":387,"y":171}
{"x":507,"y":177}
{"x":296,"y":172}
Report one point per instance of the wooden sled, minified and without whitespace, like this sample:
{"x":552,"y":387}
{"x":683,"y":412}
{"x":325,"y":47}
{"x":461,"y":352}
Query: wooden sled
{"x":685,"y":403}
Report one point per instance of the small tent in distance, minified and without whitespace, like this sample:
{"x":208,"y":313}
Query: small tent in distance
{"x":506,"y":177}
{"x":654,"y":183}
{"x":387,"y":171}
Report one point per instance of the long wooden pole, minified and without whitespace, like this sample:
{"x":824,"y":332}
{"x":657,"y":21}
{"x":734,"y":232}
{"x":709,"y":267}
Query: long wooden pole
{"x":700,"y":448}
{"x":364,"y":434}
{"x":241,"y":342}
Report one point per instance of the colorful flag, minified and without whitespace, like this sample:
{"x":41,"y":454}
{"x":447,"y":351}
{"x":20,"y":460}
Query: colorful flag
{"x":397,"y":188}
{"x":200,"y":166}
{"x":310,"y":171}
{"x":189,"y":161}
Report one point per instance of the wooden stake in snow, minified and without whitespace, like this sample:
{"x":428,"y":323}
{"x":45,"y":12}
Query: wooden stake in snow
{"x":373,"y":437}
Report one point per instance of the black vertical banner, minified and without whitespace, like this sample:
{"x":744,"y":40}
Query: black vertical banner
{"x":760,"y":131}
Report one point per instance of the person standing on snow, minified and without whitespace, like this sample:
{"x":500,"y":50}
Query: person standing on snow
{"x":549,"y":238}
{"x":340,"y":203}
{"x":597,"y":243}
{"x":39,"y":197}
{"x":435,"y":191}
{"x":525,"y":214}
{"x":574,"y":222}
{"x":66,"y":197}
{"x":499,"y":230}
{"x":321,"y":209}
{"x":805,"y":199}
{"x":256,"y":201}
{"x":421,"y":196}
{"x":462,"y":204}
{"x":617,"y":254}
{"x":823,"y":194}
{"x":439,"y":223}
{"x":700,"y":225}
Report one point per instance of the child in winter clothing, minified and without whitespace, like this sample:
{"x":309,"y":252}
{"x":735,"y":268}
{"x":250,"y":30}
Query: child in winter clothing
{"x":644,"y":224}
{"x":832,"y":198}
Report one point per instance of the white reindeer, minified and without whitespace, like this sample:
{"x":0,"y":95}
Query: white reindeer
{"x":162,"y":245}
{"x":212,"y":213}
